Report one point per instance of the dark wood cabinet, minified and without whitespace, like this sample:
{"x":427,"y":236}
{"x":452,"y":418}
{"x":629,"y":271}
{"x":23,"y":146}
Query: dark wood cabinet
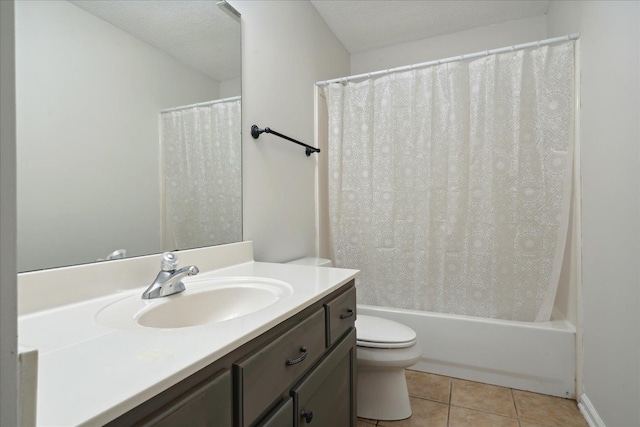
{"x":268,"y":373}
{"x":282,"y":416}
{"x":341,"y":315}
{"x":327,"y":395}
{"x":207,"y":404}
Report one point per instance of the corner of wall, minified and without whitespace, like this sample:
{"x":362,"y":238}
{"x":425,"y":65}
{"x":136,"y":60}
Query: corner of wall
{"x":610,"y":108}
{"x":8,"y":289}
{"x":286,"y":48}
{"x":589,"y":412}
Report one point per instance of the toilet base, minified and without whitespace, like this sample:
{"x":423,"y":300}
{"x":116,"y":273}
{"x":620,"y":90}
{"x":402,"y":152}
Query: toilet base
{"x":382,"y":394}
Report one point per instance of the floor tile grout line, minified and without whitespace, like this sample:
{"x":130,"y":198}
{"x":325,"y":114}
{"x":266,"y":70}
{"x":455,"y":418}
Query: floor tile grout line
{"x":429,"y":400}
{"x":449,"y":402}
{"x":485,"y":412}
{"x":466,"y":407}
{"x":515,"y":405}
{"x":513,"y":398}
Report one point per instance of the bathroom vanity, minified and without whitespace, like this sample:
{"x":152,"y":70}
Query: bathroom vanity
{"x":291,"y":363}
{"x":301,"y":371}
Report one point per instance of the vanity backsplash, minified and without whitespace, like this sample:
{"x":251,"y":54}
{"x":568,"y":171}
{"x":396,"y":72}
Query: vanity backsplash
{"x":46,"y":289}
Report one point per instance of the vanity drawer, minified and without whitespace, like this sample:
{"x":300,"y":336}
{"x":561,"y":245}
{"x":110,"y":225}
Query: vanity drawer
{"x":341,"y":315}
{"x":267,"y":374}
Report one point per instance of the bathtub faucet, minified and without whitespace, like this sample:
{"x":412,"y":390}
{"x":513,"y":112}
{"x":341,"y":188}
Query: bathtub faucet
{"x":169,"y":280}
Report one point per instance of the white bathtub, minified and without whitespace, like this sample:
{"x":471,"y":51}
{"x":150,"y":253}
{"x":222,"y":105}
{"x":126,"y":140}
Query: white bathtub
{"x":533,"y":356}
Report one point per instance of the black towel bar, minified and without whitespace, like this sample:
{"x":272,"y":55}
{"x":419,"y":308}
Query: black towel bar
{"x":256,"y":131}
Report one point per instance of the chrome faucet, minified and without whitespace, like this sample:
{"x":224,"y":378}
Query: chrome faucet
{"x":169,"y":280}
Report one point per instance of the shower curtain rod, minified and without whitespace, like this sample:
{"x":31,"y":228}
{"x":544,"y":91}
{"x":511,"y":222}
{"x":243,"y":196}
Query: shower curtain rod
{"x":568,"y":37}
{"x":202,"y":104}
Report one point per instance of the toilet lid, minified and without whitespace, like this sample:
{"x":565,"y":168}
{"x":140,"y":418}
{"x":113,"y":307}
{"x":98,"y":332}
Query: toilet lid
{"x":377,"y":332}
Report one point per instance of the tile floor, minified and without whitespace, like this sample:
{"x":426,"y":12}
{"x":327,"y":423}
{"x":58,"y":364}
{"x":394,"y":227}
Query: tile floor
{"x":449,"y":402}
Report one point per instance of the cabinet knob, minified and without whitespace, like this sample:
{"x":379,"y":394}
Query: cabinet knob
{"x":349,"y":314}
{"x":308,"y":416}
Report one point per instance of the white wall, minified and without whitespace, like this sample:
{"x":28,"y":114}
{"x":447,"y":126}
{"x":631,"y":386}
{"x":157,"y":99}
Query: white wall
{"x":8,"y":294}
{"x":475,"y":40}
{"x":88,"y":99}
{"x":229,"y":88}
{"x":287,"y":47}
{"x":610,"y":160}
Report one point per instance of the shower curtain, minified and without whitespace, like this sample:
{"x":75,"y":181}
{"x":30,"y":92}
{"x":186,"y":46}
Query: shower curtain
{"x":449,"y":186}
{"x":201,"y":152}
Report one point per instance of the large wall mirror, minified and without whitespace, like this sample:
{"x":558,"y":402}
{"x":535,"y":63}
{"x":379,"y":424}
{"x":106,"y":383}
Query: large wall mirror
{"x":112,"y":152}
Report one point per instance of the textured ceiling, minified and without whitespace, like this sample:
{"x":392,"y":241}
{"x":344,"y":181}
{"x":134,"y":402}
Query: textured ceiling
{"x":198,"y":33}
{"x":362,"y":24}
{"x":190,"y":30}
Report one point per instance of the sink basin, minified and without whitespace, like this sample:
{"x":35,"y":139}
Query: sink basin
{"x":205,"y":301}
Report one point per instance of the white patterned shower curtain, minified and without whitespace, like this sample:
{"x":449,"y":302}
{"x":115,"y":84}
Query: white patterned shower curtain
{"x":449,"y":186}
{"x":201,"y":150}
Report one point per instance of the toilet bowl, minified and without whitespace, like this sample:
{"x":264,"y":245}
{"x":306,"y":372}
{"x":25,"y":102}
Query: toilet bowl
{"x":384,"y":349}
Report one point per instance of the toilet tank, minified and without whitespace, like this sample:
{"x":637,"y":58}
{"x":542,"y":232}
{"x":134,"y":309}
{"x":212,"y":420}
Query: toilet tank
{"x":311,"y":261}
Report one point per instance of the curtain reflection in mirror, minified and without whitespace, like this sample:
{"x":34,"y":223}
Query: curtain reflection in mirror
{"x":202,"y":181}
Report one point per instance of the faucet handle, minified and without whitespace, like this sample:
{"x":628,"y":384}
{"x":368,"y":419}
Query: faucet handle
{"x":169,"y":261}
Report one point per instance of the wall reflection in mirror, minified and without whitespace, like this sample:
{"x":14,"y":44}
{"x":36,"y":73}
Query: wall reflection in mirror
{"x":128,"y":123}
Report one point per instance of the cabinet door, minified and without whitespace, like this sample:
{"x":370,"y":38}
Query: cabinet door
{"x":326,"y":397}
{"x":282,"y":416}
{"x":207,"y":404}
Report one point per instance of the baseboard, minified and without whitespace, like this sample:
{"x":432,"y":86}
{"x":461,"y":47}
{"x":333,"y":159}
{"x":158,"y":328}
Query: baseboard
{"x":589,"y":412}
{"x":27,"y":385}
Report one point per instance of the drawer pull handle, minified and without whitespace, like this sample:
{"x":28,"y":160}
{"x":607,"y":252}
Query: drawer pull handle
{"x":308,"y":416}
{"x":349,"y":314}
{"x":299,"y":358}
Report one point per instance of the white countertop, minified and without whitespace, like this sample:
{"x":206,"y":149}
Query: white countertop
{"x":89,"y":374}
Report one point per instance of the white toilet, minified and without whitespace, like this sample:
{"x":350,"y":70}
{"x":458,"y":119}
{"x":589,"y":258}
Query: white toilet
{"x":385,"y":349}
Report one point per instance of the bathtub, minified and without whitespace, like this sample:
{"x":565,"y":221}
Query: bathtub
{"x":532,"y":356}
